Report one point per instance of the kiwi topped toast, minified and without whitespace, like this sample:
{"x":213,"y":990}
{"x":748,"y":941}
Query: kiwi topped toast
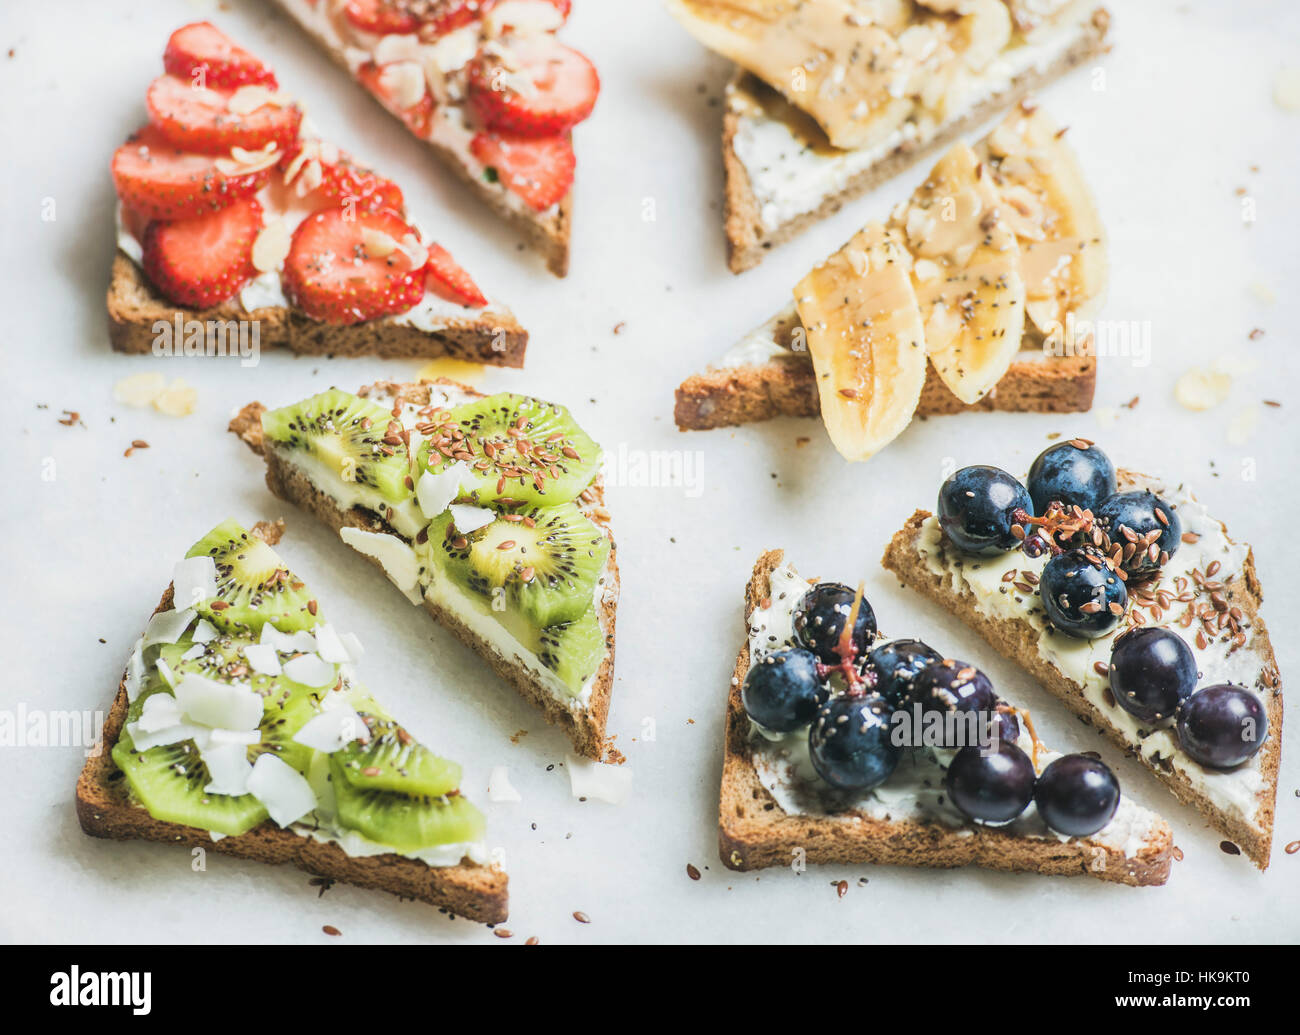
{"x":976,"y":294}
{"x":488,"y":510}
{"x":240,"y":725}
{"x":842,"y":748}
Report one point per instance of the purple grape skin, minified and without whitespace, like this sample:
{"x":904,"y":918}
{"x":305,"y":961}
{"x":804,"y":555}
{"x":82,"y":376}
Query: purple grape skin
{"x":1152,"y":671}
{"x":993,"y":788}
{"x":1077,"y":795}
{"x":1222,"y":726}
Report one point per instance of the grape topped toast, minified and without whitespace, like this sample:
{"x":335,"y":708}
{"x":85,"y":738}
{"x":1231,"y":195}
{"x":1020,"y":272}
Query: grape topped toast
{"x":488,"y":510}
{"x":240,"y":726}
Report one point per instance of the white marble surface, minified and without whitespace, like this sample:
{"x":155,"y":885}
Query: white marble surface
{"x":1184,"y":120}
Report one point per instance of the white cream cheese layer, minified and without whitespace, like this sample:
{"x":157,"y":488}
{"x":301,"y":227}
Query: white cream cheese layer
{"x":407,"y":519}
{"x":789,"y":178}
{"x":915,"y":790}
{"x":1236,"y":790}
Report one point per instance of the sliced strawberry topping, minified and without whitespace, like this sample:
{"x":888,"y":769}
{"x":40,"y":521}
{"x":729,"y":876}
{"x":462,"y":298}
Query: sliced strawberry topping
{"x":202,"y":47}
{"x":418,"y":116}
{"x":199,"y":119}
{"x":382,"y":16}
{"x":538,"y":87}
{"x":539,"y":170}
{"x":446,"y":16}
{"x":200,"y":262}
{"x":345,"y":270}
{"x":449,"y":279}
{"x":159,"y":180}
{"x":340,"y":177}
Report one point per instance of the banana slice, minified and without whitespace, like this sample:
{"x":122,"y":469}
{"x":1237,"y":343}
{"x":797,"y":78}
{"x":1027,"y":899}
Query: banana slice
{"x":866,"y":341}
{"x":838,"y":60}
{"x":966,"y":274}
{"x":1048,"y":206}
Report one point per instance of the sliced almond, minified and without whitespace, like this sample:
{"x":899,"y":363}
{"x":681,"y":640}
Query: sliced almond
{"x":378,"y":243}
{"x":415,"y":251}
{"x":1202,"y":388}
{"x":139,"y":389}
{"x":243,"y":161}
{"x":271,"y":246}
{"x":176,"y":400}
{"x":249,"y":98}
{"x":404,"y":83}
{"x":1242,"y":426}
{"x":1286,"y":89}
{"x":396,"y":47}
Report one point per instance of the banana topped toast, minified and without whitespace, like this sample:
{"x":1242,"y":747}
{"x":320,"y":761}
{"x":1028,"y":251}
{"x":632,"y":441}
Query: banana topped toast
{"x":240,"y":726}
{"x":488,"y":510}
{"x":975,"y":294}
{"x":842,"y":747}
{"x":1127,"y":599}
{"x":807,"y":125}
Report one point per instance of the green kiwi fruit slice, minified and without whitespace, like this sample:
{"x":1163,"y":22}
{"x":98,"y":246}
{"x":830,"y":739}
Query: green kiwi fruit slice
{"x":253,"y":585}
{"x":542,"y":561}
{"x":404,"y":822}
{"x":517,"y":449}
{"x":393,"y":760}
{"x":573,"y":650}
{"x":357,"y":440}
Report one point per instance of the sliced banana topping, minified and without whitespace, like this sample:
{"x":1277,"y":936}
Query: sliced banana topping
{"x":866,"y":340}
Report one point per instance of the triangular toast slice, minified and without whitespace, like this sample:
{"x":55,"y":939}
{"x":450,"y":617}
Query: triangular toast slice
{"x":783,"y":174}
{"x":1036,"y":193}
{"x":1208,"y":592}
{"x":570,"y":685}
{"x":121,"y":792}
{"x":212,"y":257}
{"x":771,"y":814}
{"x":416,"y":66}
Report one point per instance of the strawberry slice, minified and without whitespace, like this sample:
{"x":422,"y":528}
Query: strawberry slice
{"x":539,"y":170}
{"x":418,"y":116}
{"x":341,"y":177}
{"x":344,"y":270}
{"x":203,"y":261}
{"x":563,"y":91}
{"x":450,"y":15}
{"x":381,"y":16}
{"x":448,"y":278}
{"x":161,"y":181}
{"x":202,"y":47}
{"x":198,"y":119}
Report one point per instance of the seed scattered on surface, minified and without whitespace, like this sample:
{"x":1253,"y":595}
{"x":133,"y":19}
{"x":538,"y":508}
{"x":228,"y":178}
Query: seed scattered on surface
{"x":503,"y":932}
{"x":841,"y":888}
{"x":533,"y":940}
{"x":692,"y":872}
{"x":331,"y":930}
{"x":1178,"y":854}
{"x":581,"y":917}
{"x":1229,"y":848}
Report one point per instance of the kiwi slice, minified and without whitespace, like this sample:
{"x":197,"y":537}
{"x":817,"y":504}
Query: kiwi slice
{"x":253,"y":585}
{"x":354,"y":438}
{"x":546,"y":560}
{"x":393,"y":760}
{"x":517,"y":449}
{"x":404,"y":822}
{"x":573,"y":650}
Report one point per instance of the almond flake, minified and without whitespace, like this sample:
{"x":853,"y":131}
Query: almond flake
{"x":243,"y":161}
{"x":378,"y":243}
{"x":176,"y":400}
{"x":139,"y":389}
{"x":271,"y":246}
{"x":249,"y":98}
{"x":404,"y":83}
{"x":1202,"y":388}
{"x":1286,"y":89}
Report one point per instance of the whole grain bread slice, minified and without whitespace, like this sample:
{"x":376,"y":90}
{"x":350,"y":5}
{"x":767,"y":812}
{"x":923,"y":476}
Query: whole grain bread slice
{"x":749,"y":238}
{"x":106,"y":809}
{"x":1018,"y":641}
{"x":583,"y":724}
{"x":754,"y":831}
{"x":547,"y":232}
{"x":139,"y":318}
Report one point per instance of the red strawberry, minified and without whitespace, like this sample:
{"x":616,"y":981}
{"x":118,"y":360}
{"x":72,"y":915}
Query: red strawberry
{"x":333,"y":275}
{"x":539,"y":170}
{"x":343,"y":178}
{"x":564,"y":91}
{"x":381,"y":16}
{"x":155,"y":177}
{"x":449,"y":279}
{"x":203,"y":261}
{"x":201,"y":46}
{"x":450,"y":15}
{"x":197,"y":119}
{"x":418,"y":117}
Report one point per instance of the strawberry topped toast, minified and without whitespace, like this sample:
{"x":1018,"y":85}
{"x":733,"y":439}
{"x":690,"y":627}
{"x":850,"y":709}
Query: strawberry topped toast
{"x":231,"y":208}
{"x":485,"y":83}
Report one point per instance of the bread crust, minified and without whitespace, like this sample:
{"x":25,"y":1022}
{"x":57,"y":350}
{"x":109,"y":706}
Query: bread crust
{"x":748,"y":240}
{"x":730,"y":396}
{"x":105,"y":809}
{"x":755,"y":832}
{"x":585,"y":726}
{"x":547,"y":232}
{"x":134,"y":307}
{"x":1018,"y":641}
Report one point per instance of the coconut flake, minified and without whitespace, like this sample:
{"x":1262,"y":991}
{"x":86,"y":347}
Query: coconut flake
{"x":194,"y":580}
{"x":196,"y":651}
{"x":134,"y":677}
{"x":331,"y":730}
{"x":311,"y":670}
{"x":222,"y":705}
{"x":247,"y":738}
{"x":470,"y":519}
{"x":329,"y":646}
{"x":282,"y":789}
{"x":287,"y":643}
{"x":608,"y":783}
{"x":263,"y":658}
{"x":142,"y":740}
{"x":352,"y":645}
{"x":167,"y":626}
{"x":158,"y":712}
{"x":165,"y":670}
{"x":436,"y":489}
{"x":204,"y":631}
{"x":396,"y":558}
{"x":228,"y":768}
{"x":499,"y":787}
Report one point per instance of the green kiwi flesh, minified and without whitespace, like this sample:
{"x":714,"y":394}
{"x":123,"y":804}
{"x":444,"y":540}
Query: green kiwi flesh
{"x":253,"y":585}
{"x":393,"y":760}
{"x":404,"y":822}
{"x":573,"y":650}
